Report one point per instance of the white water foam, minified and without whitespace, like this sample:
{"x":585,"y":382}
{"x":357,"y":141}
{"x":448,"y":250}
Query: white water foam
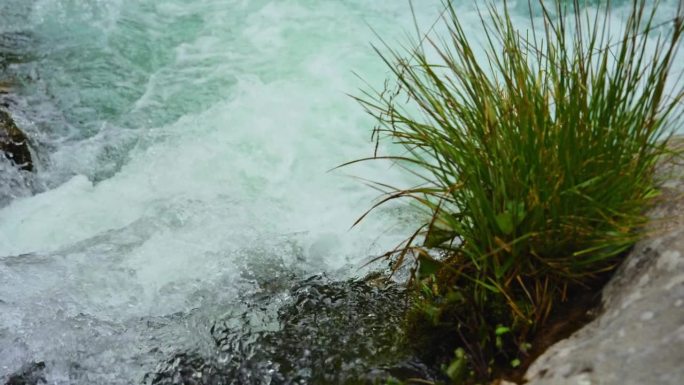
{"x":236,"y":120}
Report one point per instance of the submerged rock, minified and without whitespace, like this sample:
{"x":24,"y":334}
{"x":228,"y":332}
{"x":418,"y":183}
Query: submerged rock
{"x":5,"y":87}
{"x":30,"y":374}
{"x":13,"y":143}
{"x":15,"y":47}
{"x":324,"y":333}
{"x":639,"y":336}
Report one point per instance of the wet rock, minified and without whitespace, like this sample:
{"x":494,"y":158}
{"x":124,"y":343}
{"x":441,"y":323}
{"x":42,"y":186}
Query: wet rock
{"x":15,"y":47}
{"x":30,"y":374}
{"x":13,"y":143}
{"x":5,"y":87}
{"x":323,"y":333}
{"x":639,"y":336}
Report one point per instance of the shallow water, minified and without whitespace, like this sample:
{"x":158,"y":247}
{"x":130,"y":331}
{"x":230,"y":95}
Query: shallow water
{"x":182,"y":155}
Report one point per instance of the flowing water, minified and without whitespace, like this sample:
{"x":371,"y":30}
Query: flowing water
{"x":182,"y":150}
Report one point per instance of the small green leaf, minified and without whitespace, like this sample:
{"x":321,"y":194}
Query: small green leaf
{"x":501,"y":330}
{"x":455,"y":297}
{"x":505,"y":222}
{"x":427,"y":266}
{"x":517,"y":210}
{"x":432,"y":313}
{"x":457,"y":368}
{"x":426,"y":289}
{"x":515,"y":363}
{"x":525,"y":347}
{"x":436,"y":237}
{"x":499,"y":342}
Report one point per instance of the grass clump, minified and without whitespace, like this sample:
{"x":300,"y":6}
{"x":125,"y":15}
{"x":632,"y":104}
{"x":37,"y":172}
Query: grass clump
{"x":538,"y":165}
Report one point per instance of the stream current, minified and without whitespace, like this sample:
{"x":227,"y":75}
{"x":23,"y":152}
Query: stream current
{"x":182,"y":151}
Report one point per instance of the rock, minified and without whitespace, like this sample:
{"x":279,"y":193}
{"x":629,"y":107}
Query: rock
{"x":30,"y":374}
{"x":15,"y":47}
{"x":638,"y":338}
{"x":5,"y":87}
{"x":13,"y":143}
{"x":324,"y":333}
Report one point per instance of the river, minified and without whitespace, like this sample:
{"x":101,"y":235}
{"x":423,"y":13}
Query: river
{"x":182,"y":156}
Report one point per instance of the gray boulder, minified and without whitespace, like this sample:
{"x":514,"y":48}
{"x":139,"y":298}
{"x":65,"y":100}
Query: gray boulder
{"x":638,"y":338}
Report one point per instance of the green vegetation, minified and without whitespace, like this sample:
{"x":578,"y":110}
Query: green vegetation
{"x":538,"y":165}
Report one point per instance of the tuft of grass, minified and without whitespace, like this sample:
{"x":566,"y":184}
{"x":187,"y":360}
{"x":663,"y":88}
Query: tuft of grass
{"x":538,"y":164}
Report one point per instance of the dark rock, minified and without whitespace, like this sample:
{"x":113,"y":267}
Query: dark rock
{"x":13,"y":143}
{"x":15,"y":47}
{"x":30,"y":374}
{"x":325,"y":333}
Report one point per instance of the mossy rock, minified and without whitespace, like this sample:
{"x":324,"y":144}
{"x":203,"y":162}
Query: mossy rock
{"x":13,"y":143}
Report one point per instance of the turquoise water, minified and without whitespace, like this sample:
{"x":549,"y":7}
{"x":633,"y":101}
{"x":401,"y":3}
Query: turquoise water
{"x":181,"y":145}
{"x":235,"y":104}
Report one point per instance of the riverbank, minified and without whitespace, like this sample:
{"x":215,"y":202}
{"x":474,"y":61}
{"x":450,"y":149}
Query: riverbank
{"x":638,"y":336}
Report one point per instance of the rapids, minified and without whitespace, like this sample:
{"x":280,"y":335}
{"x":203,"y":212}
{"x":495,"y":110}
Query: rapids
{"x":183,"y":150}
